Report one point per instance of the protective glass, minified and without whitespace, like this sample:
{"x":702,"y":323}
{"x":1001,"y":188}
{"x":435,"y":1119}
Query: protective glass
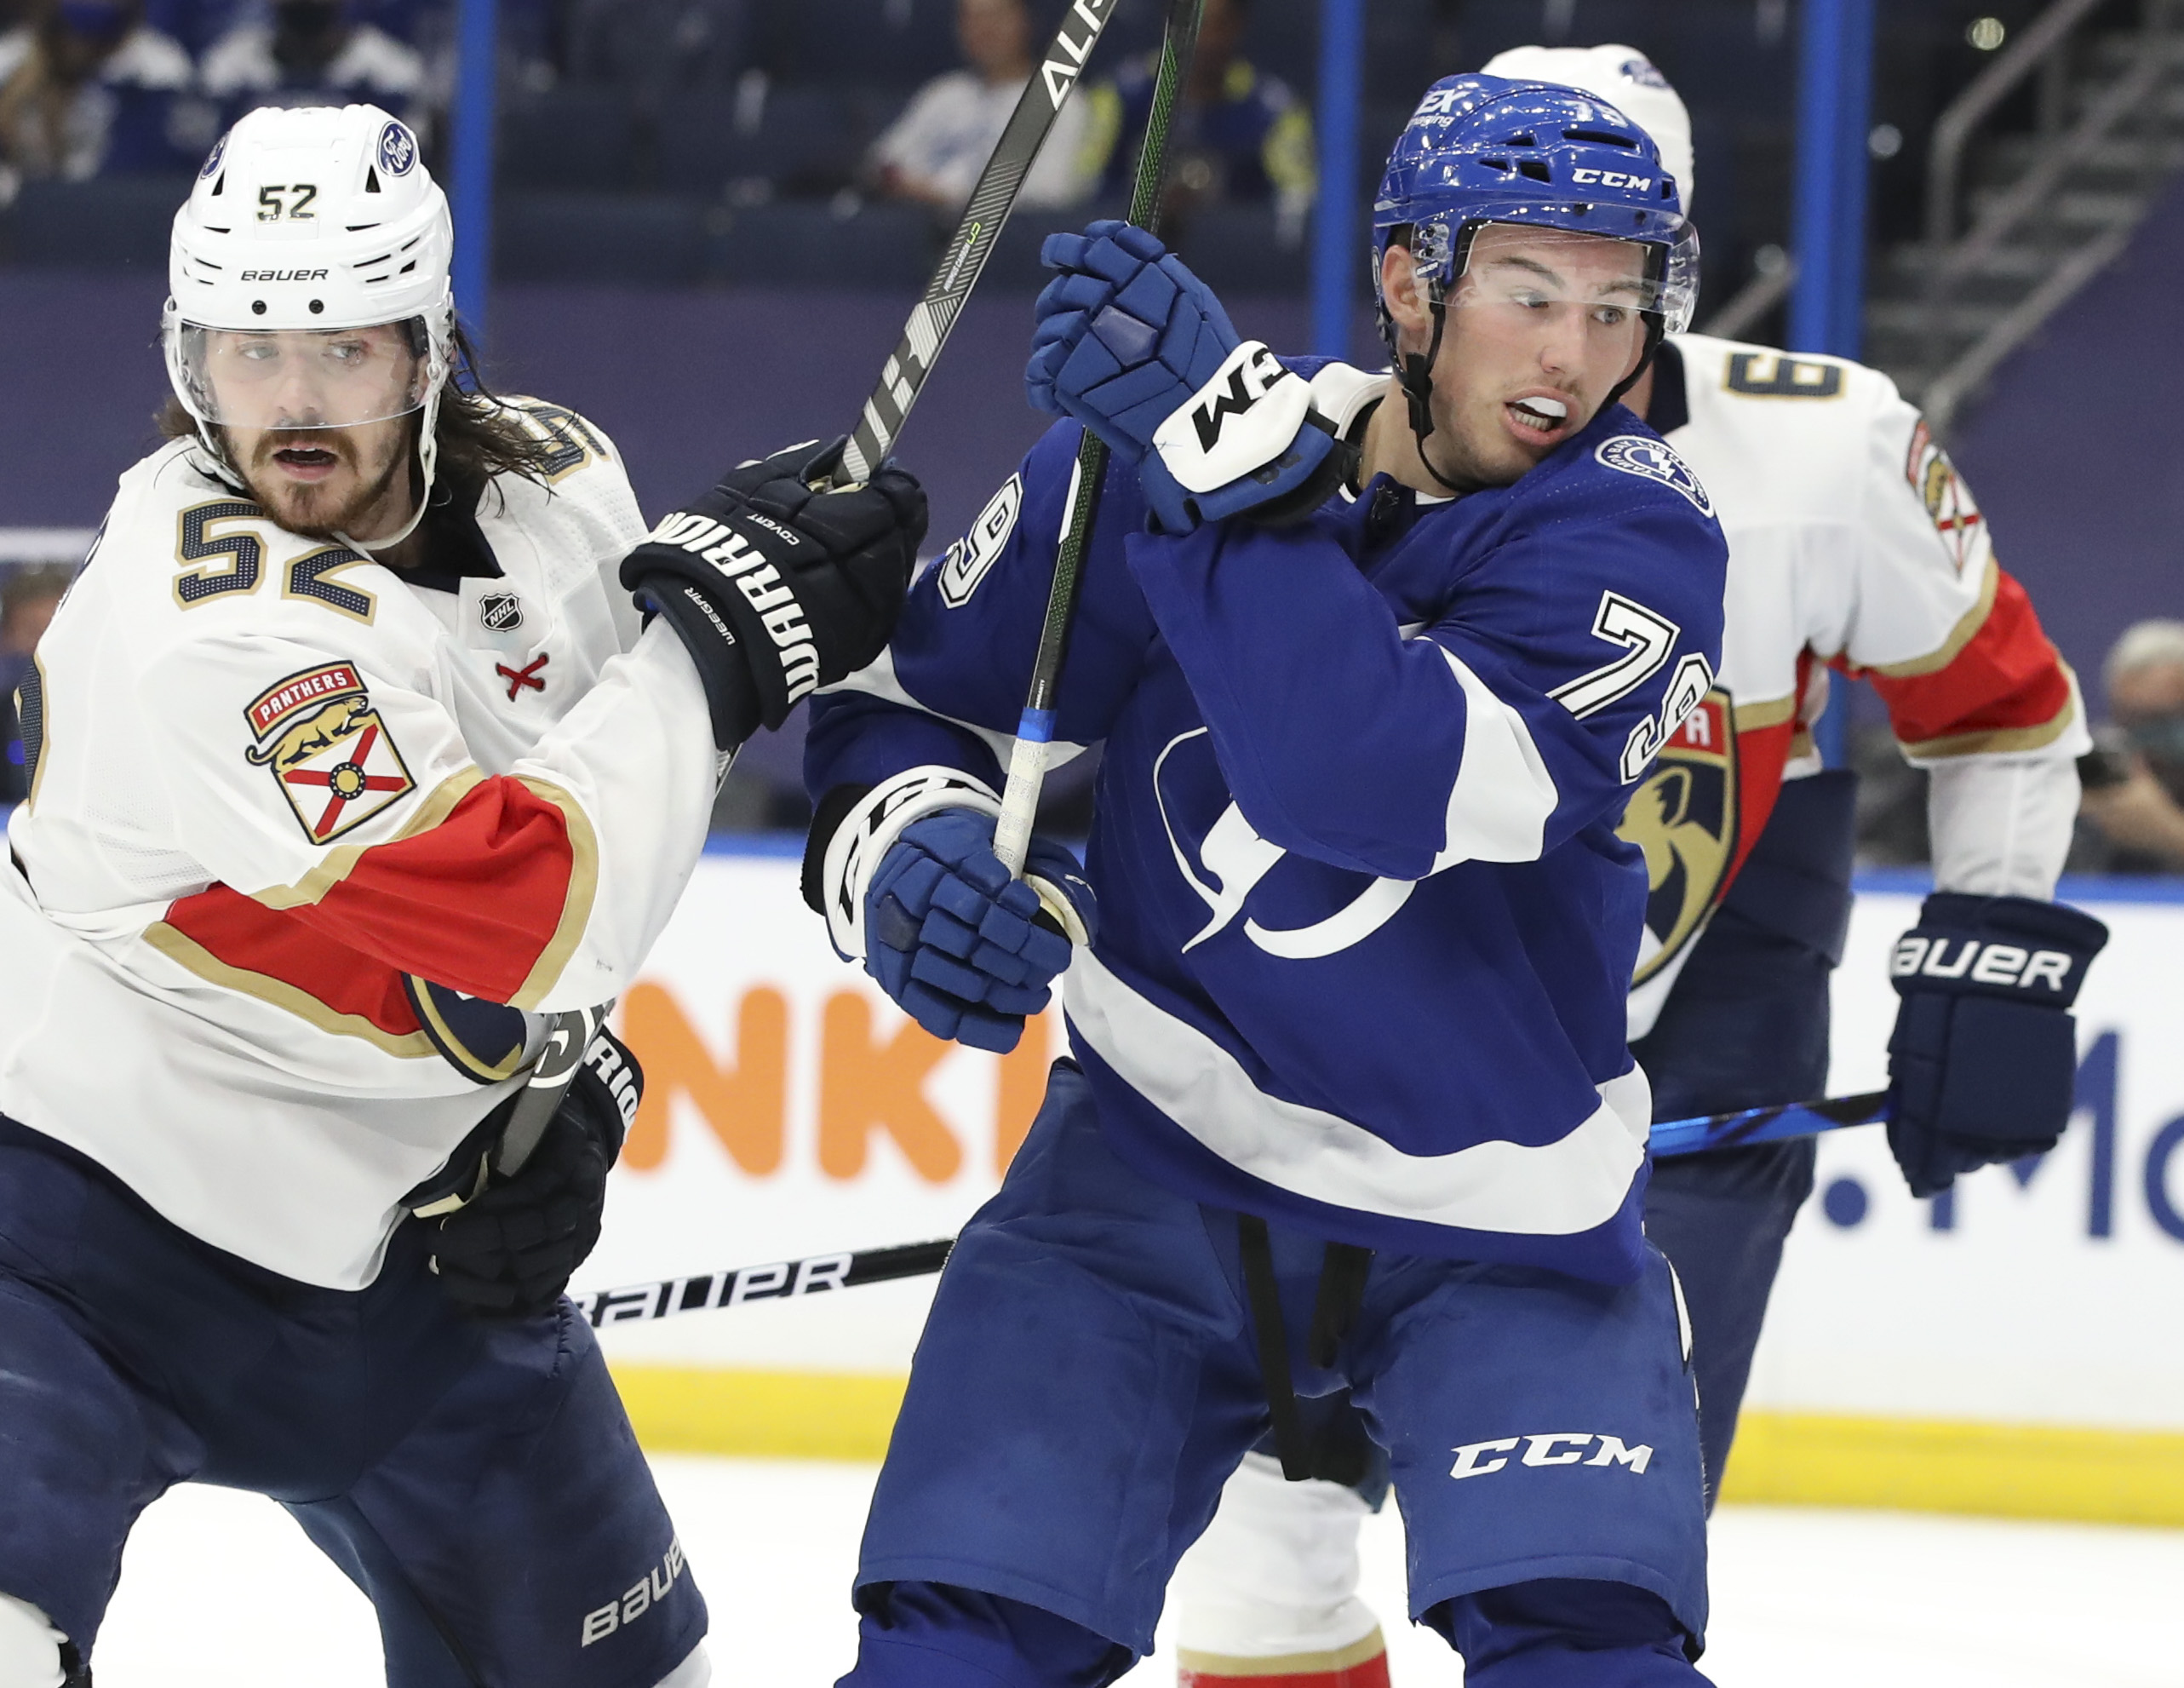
{"x":1514,"y":264}
{"x":306,"y":378}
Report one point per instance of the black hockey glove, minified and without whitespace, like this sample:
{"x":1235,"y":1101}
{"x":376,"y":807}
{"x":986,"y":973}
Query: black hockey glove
{"x":776,"y":589}
{"x":1984,"y":1052}
{"x":508,"y":1254}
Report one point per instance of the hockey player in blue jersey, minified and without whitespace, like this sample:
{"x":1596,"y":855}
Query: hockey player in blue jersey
{"x":1375,"y":663}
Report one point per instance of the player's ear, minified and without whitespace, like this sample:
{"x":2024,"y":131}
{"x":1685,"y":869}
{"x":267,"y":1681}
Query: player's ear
{"x":1405,"y":294}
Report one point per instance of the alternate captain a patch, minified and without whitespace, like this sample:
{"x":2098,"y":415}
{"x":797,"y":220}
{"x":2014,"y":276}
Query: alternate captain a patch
{"x":327,"y":748}
{"x":1684,"y":818}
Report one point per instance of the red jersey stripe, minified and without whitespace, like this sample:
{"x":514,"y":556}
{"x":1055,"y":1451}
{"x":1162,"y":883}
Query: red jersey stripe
{"x":2007,"y":689}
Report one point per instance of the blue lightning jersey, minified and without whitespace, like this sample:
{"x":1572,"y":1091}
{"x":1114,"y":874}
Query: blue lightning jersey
{"x":1366,"y":927}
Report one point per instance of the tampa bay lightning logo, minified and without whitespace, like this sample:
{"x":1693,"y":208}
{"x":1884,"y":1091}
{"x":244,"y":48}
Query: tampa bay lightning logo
{"x":1652,"y":460}
{"x":398,"y":149}
{"x":212,"y":159}
{"x":1642,"y":71}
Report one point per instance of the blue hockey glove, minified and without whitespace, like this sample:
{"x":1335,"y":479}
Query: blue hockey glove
{"x":962,"y":948}
{"x":1125,"y":335}
{"x":1985,"y":1051}
{"x":1136,"y":348}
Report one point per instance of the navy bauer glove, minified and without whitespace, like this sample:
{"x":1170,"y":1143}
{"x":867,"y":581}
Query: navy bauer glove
{"x":910,"y":886}
{"x":1136,"y":348}
{"x":776,"y":589}
{"x":1985,"y":1051}
{"x":508,"y":1253}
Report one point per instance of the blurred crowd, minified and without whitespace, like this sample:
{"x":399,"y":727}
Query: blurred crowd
{"x":28,"y":598}
{"x":92,"y":87}
{"x":143,"y":87}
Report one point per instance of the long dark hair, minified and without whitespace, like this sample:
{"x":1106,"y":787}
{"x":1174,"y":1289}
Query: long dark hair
{"x":480,"y":435}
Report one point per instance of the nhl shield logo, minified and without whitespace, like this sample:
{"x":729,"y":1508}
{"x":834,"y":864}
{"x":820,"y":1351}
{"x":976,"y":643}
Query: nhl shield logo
{"x":328,"y":751}
{"x":1684,"y":818}
{"x":501,"y":611}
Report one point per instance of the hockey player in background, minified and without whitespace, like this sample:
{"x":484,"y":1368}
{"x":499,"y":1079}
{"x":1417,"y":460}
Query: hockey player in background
{"x":1351,"y":1106}
{"x":1853,"y":544}
{"x":355,"y":790}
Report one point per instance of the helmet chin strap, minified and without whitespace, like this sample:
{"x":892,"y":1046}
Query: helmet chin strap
{"x":1414,"y":374}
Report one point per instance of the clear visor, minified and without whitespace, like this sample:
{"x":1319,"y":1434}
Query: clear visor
{"x":306,"y":378}
{"x":1608,"y":282}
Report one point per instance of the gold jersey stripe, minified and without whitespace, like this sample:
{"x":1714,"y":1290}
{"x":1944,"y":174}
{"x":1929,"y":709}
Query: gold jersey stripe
{"x":337,"y":865}
{"x":185,"y":952}
{"x":576,"y":907}
{"x":1959,"y":636}
{"x":1770,"y":712}
{"x":1284,"y":1664}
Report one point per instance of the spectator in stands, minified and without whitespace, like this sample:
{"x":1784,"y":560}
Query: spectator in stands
{"x":88,"y":87}
{"x":2132,"y":813}
{"x":26,"y":605}
{"x":311,"y":53}
{"x":933,"y":153}
{"x":1239,"y":135}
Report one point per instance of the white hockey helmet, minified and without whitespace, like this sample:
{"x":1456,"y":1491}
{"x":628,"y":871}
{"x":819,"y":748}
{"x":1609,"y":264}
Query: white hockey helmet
{"x":1626,"y":80}
{"x":307,"y":225}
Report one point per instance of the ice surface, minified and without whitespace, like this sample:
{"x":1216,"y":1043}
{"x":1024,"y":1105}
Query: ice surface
{"x":220,"y":1590}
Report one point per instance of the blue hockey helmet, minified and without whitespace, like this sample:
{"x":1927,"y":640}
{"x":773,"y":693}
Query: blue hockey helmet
{"x":1485,"y":149}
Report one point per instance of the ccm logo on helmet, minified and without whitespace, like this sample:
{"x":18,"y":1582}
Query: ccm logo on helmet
{"x":1613,"y":179}
{"x":284,"y":275}
{"x":1559,"y":1449}
{"x":1983,"y":963}
{"x":758,"y":581}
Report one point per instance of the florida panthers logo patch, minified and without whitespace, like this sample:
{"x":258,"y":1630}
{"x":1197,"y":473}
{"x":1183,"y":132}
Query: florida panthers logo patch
{"x":1652,"y":460}
{"x":1948,"y":500}
{"x":1684,"y":818}
{"x":328,"y":751}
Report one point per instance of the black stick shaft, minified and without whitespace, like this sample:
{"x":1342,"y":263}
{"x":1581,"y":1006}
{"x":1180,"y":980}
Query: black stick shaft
{"x":1036,"y":729}
{"x":778,"y":1280}
{"x":967,"y":250}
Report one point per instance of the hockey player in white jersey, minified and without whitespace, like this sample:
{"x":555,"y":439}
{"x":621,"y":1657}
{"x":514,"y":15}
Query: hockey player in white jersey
{"x":357,"y":789}
{"x":1853,"y":545}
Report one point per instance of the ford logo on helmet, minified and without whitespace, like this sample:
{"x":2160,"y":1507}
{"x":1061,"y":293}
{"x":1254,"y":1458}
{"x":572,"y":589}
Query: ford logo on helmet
{"x":397,"y":149}
{"x":212,"y":159}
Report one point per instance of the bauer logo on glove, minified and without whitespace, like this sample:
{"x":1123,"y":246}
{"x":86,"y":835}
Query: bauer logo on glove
{"x":1984,"y":1054}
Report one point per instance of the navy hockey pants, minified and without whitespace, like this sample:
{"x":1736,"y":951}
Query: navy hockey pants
{"x":1746,"y":1026}
{"x":479,"y":1483}
{"x":1088,"y":1379}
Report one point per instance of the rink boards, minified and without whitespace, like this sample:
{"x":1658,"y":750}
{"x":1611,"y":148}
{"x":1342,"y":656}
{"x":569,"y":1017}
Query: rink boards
{"x":2009,"y":1350}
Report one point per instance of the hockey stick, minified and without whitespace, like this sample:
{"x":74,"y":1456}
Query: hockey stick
{"x":1034,"y":729}
{"x":1766,"y":1125}
{"x":774,"y":1280}
{"x":779,"y":1280}
{"x":972,"y":243}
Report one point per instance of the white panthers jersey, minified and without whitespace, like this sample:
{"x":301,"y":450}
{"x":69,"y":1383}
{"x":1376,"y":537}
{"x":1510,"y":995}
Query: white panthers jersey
{"x":274,"y":782}
{"x":1853,"y":544}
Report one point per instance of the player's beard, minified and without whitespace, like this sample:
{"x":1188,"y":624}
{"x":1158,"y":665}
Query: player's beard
{"x":324,"y":509}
